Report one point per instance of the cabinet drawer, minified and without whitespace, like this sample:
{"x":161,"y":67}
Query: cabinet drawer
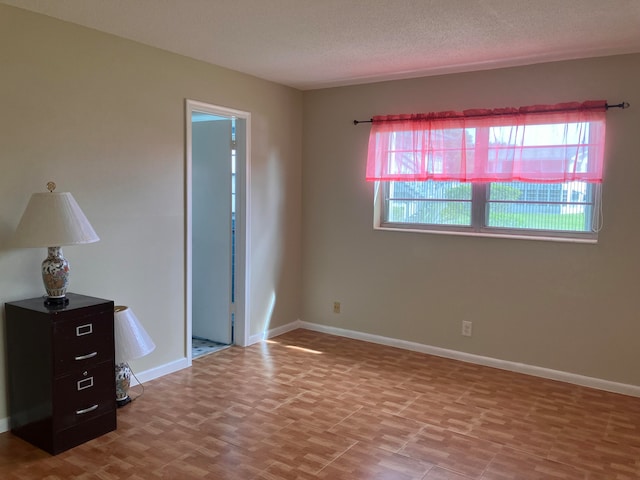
{"x":88,"y":430}
{"x":83,"y":341}
{"x":83,"y":395}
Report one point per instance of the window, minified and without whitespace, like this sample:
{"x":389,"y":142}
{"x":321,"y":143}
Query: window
{"x":534,"y":171}
{"x":514,"y":208}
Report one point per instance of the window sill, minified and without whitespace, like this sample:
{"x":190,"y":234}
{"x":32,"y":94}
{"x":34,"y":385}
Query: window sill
{"x":513,"y":236}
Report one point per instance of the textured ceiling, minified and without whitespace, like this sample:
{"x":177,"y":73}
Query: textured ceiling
{"x":311,"y":44}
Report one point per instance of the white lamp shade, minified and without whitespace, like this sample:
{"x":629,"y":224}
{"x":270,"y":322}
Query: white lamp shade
{"x":53,"y":220}
{"x":131,"y":339}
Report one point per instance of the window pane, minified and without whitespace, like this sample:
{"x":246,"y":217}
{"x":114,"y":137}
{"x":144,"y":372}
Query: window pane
{"x":436,"y":203}
{"x":430,"y":190}
{"x":538,"y":217}
{"x":434,"y":212}
{"x":557,"y":207}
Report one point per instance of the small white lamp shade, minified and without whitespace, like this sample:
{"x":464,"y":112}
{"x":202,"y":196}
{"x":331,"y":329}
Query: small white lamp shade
{"x":53,"y":219}
{"x":131,"y":339}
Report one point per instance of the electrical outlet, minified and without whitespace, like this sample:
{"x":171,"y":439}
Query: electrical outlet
{"x":336,"y":307}
{"x":466,"y":328}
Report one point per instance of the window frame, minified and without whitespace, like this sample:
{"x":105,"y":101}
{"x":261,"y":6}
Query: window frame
{"x":479,"y":201}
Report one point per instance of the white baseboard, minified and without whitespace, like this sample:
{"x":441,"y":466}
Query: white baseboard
{"x":609,"y":386}
{"x":160,"y":371}
{"x":274,"y":332}
{"x":4,"y":424}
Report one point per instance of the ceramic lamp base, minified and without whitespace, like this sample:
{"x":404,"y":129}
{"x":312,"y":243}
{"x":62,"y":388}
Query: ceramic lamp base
{"x":55,"y":275}
{"x":123,"y":382}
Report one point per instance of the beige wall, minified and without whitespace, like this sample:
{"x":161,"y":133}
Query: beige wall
{"x":104,"y":118}
{"x":564,"y":306}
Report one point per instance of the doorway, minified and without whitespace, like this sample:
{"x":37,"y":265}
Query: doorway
{"x":216,"y":173}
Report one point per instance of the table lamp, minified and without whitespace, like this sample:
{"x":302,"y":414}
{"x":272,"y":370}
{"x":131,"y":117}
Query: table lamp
{"x":52,"y":220}
{"x":131,"y":342}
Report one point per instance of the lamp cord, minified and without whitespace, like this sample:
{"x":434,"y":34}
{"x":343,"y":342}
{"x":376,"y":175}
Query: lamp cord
{"x":139,"y":383}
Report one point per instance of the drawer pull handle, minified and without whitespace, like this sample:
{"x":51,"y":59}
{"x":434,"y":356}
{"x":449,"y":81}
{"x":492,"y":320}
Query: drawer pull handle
{"x":87,"y":410}
{"x":84,"y":330}
{"x":88,"y":355}
{"x":85,"y":383}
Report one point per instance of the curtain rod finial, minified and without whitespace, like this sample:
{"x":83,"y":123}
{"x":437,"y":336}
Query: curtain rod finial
{"x":621,"y":105}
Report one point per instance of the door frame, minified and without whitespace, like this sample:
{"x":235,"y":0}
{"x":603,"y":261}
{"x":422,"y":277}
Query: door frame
{"x":242,"y":273}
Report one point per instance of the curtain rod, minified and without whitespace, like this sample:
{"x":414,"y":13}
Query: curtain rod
{"x":622,"y":105}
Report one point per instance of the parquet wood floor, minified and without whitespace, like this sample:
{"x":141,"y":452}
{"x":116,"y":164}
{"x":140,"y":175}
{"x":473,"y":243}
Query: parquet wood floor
{"x":307,"y":405}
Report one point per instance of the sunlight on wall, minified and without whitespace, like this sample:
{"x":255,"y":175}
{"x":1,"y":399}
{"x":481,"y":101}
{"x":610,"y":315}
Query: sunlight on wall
{"x":266,"y":319}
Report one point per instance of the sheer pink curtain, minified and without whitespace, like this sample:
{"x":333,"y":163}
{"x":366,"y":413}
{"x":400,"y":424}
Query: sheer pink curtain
{"x":541,"y":143}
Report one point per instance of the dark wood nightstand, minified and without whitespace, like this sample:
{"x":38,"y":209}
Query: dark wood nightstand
{"x":61,"y":371}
